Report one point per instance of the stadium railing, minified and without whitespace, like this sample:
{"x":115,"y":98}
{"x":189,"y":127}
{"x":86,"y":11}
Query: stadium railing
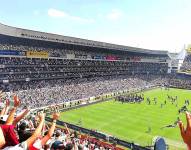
{"x":100,"y":135}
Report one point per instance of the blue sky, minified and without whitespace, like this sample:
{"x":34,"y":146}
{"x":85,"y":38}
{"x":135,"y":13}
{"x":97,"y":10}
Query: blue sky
{"x":153,"y":24}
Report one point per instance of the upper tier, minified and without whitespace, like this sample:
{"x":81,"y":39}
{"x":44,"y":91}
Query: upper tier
{"x":36,"y":35}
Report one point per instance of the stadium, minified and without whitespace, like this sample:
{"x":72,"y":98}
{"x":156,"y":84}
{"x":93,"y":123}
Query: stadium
{"x":111,"y":96}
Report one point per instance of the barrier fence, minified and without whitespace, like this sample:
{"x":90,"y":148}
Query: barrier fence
{"x":100,"y":135}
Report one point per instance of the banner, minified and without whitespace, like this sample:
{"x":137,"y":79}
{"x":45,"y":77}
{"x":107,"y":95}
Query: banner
{"x":12,"y":52}
{"x":96,"y":57}
{"x":37,"y":54}
{"x":110,"y":57}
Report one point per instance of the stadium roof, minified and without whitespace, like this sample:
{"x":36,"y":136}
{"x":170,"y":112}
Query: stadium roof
{"x":25,"y":33}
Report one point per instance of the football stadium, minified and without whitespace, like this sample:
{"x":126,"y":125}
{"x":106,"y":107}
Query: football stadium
{"x":109,"y":96}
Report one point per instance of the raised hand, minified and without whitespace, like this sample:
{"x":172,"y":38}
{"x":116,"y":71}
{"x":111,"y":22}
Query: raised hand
{"x":186,"y":134}
{"x":55,"y":116}
{"x":41,"y":116}
{"x":10,"y":119}
{"x":16,"y":101}
{"x":1,"y":94}
{"x":7,"y":102}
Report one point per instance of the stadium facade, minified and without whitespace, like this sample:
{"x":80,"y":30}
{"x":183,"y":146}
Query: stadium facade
{"x":36,"y":35}
{"x":22,"y":42}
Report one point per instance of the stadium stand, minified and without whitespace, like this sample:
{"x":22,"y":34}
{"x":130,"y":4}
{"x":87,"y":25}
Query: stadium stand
{"x":186,"y":66}
{"x":46,"y":69}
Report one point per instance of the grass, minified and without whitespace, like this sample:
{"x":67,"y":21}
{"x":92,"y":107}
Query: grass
{"x":131,"y":121}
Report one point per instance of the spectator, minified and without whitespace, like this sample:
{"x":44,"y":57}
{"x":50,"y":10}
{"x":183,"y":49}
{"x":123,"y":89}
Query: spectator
{"x":186,"y":133}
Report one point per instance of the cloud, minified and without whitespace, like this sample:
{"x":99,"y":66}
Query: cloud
{"x":54,"y":13}
{"x":114,"y":15}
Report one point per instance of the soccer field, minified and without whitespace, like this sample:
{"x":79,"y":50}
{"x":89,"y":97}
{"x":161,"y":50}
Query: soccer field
{"x":132,"y":121}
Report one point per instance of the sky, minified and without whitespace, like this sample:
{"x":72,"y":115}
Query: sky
{"x":150,"y":24}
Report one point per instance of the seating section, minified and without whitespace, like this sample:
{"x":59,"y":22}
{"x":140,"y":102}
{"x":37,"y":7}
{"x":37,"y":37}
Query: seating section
{"x":186,"y":66}
{"x":18,"y":69}
{"x":58,"y":80}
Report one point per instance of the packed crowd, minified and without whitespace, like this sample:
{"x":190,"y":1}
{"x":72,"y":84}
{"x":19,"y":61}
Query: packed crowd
{"x":38,"y":94}
{"x":186,"y":66}
{"x":180,"y":83}
{"x":46,"y":92}
{"x":26,"y":131}
{"x":131,"y":98}
{"x":22,"y":69}
{"x":52,"y":81}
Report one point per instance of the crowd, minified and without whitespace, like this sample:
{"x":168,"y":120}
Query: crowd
{"x":131,"y":98}
{"x":25,"y":131}
{"x":43,"y":82}
{"x":38,"y":94}
{"x":51,"y":81}
{"x":186,"y":66}
{"x":22,"y":69}
{"x":46,"y":92}
{"x":180,"y":83}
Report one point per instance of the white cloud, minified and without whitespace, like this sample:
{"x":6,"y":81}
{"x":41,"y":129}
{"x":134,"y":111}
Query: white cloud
{"x":115,"y":14}
{"x":61,"y":14}
{"x":56,"y":13}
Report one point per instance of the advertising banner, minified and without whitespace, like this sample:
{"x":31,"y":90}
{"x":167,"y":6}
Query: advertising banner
{"x":37,"y":54}
{"x":110,"y":57}
{"x":12,"y":52}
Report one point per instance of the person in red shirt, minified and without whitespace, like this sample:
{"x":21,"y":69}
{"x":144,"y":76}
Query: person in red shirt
{"x":8,"y":136}
{"x":29,"y":142}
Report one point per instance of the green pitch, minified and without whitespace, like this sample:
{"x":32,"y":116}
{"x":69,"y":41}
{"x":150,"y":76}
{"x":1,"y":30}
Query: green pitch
{"x":131,"y":122}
